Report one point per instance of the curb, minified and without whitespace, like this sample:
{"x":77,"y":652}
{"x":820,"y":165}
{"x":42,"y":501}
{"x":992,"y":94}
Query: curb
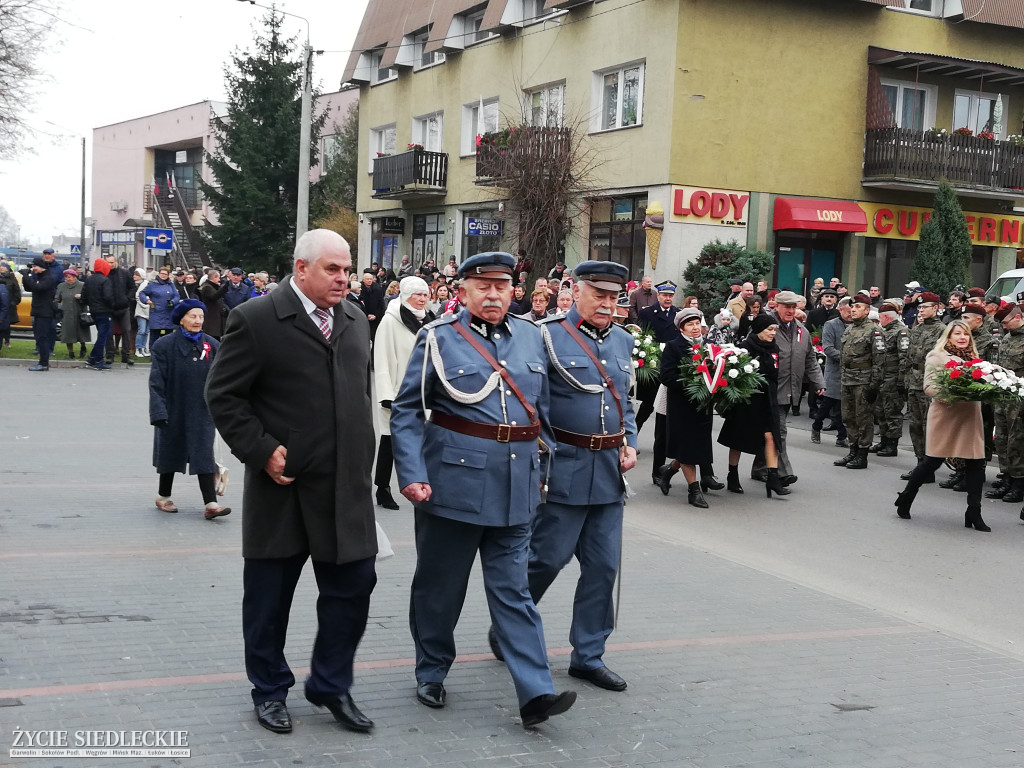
{"x":20,"y":362}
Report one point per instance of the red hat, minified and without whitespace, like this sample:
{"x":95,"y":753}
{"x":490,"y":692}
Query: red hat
{"x":977,"y":293}
{"x":930,"y":298}
{"x":1005,"y":311}
{"x":862,"y":298}
{"x":887,"y":307}
{"x":973,"y":309}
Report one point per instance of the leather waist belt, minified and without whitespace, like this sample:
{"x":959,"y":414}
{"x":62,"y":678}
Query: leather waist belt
{"x":593,"y":442}
{"x":503,"y":433}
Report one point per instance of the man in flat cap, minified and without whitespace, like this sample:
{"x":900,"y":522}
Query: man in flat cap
{"x":589,"y":367}
{"x":238,"y":292}
{"x":1009,"y":435}
{"x":861,"y":361}
{"x":473,"y":473}
{"x":825,"y":311}
{"x":892,"y":396}
{"x":923,"y":337}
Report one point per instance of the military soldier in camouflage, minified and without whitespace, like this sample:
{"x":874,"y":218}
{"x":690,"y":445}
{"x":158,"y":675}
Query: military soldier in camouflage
{"x":923,"y":337}
{"x":892,"y":397}
{"x":976,"y":298}
{"x":861,"y":364}
{"x":1009,"y":439}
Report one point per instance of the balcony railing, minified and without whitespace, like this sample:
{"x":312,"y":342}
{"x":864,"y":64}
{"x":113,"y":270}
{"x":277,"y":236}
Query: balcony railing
{"x":893,"y":155}
{"x":512,"y":152}
{"x":192,"y":197}
{"x":416,"y":173}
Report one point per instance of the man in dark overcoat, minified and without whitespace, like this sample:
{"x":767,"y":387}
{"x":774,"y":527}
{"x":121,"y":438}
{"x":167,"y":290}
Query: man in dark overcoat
{"x":289,"y":393}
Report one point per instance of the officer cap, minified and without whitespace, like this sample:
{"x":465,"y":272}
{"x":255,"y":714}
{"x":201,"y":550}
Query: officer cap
{"x":860,"y":298}
{"x":887,"y":307}
{"x":927,"y":297}
{"x":788,"y":297}
{"x":1008,"y":310}
{"x":666,"y":287}
{"x":972,"y":309}
{"x":493,"y":264}
{"x":977,"y":293}
{"x":735,"y":281}
{"x":606,"y":275}
{"x":237,"y":271}
{"x":622,"y":300}
{"x":683,"y":315}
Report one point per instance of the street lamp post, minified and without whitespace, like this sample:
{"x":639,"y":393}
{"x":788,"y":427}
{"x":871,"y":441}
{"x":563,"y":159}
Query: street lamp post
{"x":302,"y":201}
{"x":84,"y":255}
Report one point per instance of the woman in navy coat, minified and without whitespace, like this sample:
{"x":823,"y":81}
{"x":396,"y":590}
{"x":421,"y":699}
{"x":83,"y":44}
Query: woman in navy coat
{"x":177,"y":408}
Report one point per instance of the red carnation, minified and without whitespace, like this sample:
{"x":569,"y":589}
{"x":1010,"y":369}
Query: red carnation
{"x":640,"y":363}
{"x":975,"y":361}
{"x":977,"y":373}
{"x":955,"y":374}
{"x":723,"y":383}
{"x":816,"y":340}
{"x":696,"y":358}
{"x":952,"y":364}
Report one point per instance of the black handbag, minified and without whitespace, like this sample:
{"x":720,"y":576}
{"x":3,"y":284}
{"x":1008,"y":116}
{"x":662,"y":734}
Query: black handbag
{"x":85,"y":318}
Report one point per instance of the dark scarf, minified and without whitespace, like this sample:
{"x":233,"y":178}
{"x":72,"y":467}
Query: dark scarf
{"x":196,"y":337}
{"x":413,"y":323}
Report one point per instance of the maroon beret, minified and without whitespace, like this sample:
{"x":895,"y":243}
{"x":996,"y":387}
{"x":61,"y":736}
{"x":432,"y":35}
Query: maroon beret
{"x":1005,"y":311}
{"x":972,"y":309}
{"x":977,"y":293}
{"x":930,"y":298}
{"x":862,"y":298}
{"x":887,"y":307}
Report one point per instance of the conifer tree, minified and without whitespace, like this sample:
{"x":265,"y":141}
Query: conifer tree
{"x":256,"y":164}
{"x":944,"y":252}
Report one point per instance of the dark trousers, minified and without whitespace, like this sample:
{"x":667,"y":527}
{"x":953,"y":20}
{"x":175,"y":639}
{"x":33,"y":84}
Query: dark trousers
{"x":123,"y":319}
{"x":832,"y":408}
{"x":102,"y":334}
{"x":659,"y":443}
{"x":207,"y":486}
{"x":341,"y":609}
{"x":385,"y":462}
{"x":44,"y":331}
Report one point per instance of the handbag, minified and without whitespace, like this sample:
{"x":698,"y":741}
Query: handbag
{"x":85,"y":318}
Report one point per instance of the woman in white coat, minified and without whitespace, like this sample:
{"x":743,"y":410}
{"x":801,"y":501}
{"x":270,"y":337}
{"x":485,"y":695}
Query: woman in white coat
{"x":392,"y":347}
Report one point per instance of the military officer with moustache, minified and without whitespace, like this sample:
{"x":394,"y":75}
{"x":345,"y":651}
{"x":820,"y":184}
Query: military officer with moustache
{"x":861,"y":361}
{"x":892,"y":396}
{"x":589,"y":371}
{"x":658,"y":318}
{"x":472,"y":470}
{"x":923,"y":337}
{"x":1009,"y":436}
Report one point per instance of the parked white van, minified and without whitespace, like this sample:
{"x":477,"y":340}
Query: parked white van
{"x":1008,"y":285}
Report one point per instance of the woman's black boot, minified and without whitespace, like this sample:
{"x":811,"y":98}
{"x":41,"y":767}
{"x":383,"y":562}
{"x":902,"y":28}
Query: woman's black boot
{"x":774,"y":484}
{"x":904,"y":500}
{"x":665,"y":480}
{"x":694,"y":497}
{"x":973,"y":518}
{"x":732,"y":480}
{"x":708,"y":481}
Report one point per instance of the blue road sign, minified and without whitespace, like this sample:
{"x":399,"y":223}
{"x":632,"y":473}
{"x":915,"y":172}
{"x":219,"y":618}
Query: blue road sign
{"x":76,"y":250}
{"x":159,"y":239}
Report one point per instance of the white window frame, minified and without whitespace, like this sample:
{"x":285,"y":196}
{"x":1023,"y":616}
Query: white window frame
{"x":419,"y":131}
{"x":597,"y":97}
{"x":975,"y":104}
{"x":930,"y":100}
{"x":544,"y":95}
{"x":378,"y":141}
{"x":375,"y":69}
{"x":534,"y":12}
{"x":934,"y":10}
{"x":470,"y":127}
{"x":473,"y":34}
{"x":419,"y":58}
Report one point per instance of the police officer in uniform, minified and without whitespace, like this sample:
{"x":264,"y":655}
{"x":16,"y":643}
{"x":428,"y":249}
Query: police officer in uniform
{"x":658,"y":318}
{"x":589,"y":371}
{"x":891,"y":397}
{"x":861,"y":361}
{"x":473,"y":473}
{"x":923,"y":337}
{"x":1008,"y":440}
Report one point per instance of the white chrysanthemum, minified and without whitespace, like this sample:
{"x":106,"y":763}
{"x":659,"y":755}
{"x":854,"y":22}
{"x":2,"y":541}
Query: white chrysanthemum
{"x":748,"y":368}
{"x":733,"y":373}
{"x":733,"y":359}
{"x":643,"y":354}
{"x":648,"y":339}
{"x":756,"y":363}
{"x":636,"y":364}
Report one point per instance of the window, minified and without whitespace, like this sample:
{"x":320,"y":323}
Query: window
{"x":426,"y":131}
{"x":379,"y":74}
{"x":427,"y":238}
{"x":912,"y":105}
{"x":473,"y":29}
{"x":382,"y":142}
{"x":421,"y":59}
{"x":330,"y":146}
{"x":474,"y":244}
{"x":546,"y":106}
{"x":619,"y":97}
{"x":473,"y":125}
{"x":977,"y":111}
{"x":534,"y":9}
{"x":922,"y":6}
{"x":616,"y":231}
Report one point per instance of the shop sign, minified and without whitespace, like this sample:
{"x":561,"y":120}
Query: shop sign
{"x":899,"y":222}
{"x":719,"y":207}
{"x":116,"y":237}
{"x":483,"y":227}
{"x":392,"y":225}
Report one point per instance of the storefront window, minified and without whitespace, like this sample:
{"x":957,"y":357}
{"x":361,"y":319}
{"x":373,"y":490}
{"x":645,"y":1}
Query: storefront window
{"x":427,"y":238}
{"x":893,"y":259}
{"x":616,"y":232}
{"x":473,"y":244}
{"x":384,"y":246}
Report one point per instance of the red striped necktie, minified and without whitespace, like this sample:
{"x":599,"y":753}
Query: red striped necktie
{"x":323,"y":320}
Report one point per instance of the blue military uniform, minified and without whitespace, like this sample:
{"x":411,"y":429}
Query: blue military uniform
{"x":484,"y":490}
{"x":583,"y":511}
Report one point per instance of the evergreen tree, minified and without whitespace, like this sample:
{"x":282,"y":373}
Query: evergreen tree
{"x":944,"y":252}
{"x":256,"y":164}
{"x":337,"y":188}
{"x":708,"y":277}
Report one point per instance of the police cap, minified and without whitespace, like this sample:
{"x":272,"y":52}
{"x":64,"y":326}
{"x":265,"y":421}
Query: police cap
{"x":606,"y":275}
{"x":496,"y":265}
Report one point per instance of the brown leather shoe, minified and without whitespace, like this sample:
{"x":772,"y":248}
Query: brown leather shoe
{"x":215,"y":510}
{"x":165,"y":505}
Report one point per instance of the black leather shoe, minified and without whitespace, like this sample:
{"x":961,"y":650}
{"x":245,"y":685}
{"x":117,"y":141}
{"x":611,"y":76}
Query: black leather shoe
{"x":602,"y":677}
{"x":385,"y":499}
{"x":344,"y":710}
{"x":788,"y":480}
{"x":710,"y":483}
{"x":492,"y":640}
{"x":273,"y":715}
{"x":431,"y":694}
{"x":539,"y":709}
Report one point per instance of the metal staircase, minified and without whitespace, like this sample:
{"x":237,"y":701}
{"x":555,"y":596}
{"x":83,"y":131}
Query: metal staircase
{"x":171,"y":213}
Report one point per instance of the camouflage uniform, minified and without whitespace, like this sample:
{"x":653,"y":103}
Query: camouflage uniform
{"x":892,"y":397}
{"x":861,"y":363}
{"x":923,"y":338}
{"x":993,"y":326}
{"x":1009,"y":439}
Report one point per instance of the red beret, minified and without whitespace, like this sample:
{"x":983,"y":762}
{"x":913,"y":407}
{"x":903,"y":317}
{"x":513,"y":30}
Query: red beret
{"x":1005,"y":311}
{"x":862,"y":298}
{"x":930,"y":298}
{"x":972,"y":309}
{"x":887,"y":307}
{"x":977,"y":293}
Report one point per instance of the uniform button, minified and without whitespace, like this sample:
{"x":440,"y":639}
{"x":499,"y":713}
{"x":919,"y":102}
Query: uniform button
{"x":604,"y":362}
{"x":462,"y":461}
{"x":195,"y":359}
{"x":508,"y":391}
{"x":461,"y":371}
{"x":497,"y":335}
{"x":572,"y":362}
{"x":513,"y":424}
{"x":512,"y":456}
{"x":605,"y":385}
{"x":503,"y":362}
{"x":607,"y":407}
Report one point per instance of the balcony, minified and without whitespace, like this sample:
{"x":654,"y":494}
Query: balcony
{"x":897,"y":158}
{"x":518,"y":151}
{"x":413,"y":174}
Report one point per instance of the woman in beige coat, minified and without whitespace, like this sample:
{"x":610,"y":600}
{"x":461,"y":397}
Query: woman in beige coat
{"x":954,"y":429}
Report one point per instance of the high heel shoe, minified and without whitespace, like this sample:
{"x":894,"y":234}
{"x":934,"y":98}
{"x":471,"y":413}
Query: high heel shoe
{"x":694,"y":497}
{"x":904,"y":499}
{"x":773,"y":483}
{"x":973,"y":518}
{"x":710,"y":483}
{"x":665,"y":481}
{"x":732,"y":480}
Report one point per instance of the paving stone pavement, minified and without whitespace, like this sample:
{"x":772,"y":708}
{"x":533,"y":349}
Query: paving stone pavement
{"x":115,"y":616}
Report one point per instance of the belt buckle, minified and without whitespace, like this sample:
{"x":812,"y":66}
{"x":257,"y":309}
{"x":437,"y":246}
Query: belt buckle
{"x":595,"y":442}
{"x":507,"y":433}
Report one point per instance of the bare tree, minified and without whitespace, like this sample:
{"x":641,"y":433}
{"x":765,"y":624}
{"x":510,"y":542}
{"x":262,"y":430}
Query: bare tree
{"x":24,"y":25}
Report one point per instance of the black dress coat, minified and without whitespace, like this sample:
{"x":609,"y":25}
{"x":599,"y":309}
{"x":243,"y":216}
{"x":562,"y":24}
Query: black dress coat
{"x":687,"y":427}
{"x":212,"y":295}
{"x":745,"y":424}
{"x":176,"y":382}
{"x":276,"y":381}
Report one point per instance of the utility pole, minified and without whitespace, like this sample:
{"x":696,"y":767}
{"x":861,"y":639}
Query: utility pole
{"x":302,"y":207}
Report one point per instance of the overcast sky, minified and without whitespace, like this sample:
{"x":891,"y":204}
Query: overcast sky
{"x":112,"y":60}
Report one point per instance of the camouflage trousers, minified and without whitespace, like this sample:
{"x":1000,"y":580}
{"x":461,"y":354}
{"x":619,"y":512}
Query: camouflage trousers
{"x":858,"y":415}
{"x":917,"y":410}
{"x":1008,"y":439}
{"x":889,"y":412}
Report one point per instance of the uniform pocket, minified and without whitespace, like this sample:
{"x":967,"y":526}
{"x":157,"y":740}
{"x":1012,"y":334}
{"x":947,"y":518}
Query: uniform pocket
{"x":462,"y":478}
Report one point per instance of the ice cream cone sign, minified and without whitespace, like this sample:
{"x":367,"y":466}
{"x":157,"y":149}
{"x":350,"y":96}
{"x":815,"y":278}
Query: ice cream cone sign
{"x":654,"y":223}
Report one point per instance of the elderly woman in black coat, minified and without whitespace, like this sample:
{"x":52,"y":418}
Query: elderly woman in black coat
{"x":184,"y":428}
{"x":688,"y":427}
{"x":753,"y":426}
